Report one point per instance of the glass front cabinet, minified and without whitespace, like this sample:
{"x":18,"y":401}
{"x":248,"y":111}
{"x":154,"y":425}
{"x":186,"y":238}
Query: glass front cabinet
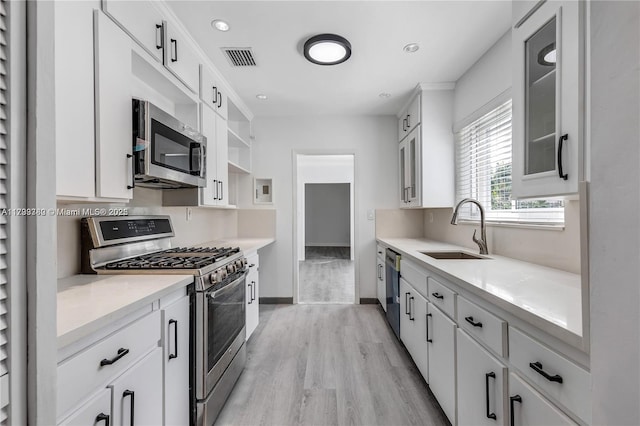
{"x":548,"y":101}
{"x":410,"y":191}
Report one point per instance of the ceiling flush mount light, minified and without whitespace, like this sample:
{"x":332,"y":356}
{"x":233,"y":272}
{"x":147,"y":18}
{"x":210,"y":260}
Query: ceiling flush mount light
{"x":411,"y":47}
{"x":261,"y":97}
{"x":547,"y":56}
{"x":385,"y":95}
{"x":220,"y":25}
{"x":327,"y":49}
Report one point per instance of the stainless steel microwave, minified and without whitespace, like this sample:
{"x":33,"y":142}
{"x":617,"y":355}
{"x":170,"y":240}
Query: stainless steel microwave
{"x":167,"y":153}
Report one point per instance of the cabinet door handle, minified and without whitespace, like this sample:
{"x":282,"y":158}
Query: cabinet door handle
{"x":102,"y":417}
{"x":215,"y":191}
{"x":560,"y":173}
{"x":404,"y":124}
{"x":159,"y":38}
{"x":427,"y":327}
{"x":408,"y":121}
{"x":537,"y":367}
{"x":512,"y":399}
{"x":174,"y":50}
{"x":221,"y":191}
{"x":470,"y":321}
{"x":219,"y":99}
{"x":130,"y":393}
{"x":253,"y":291}
{"x":250,"y":294}
{"x":406,"y":303}
{"x":121,"y":352}
{"x":133,"y":171}
{"x":491,"y":375}
{"x":411,"y":309}
{"x":175,"y":338}
{"x":215,"y":95}
{"x":437,"y":295}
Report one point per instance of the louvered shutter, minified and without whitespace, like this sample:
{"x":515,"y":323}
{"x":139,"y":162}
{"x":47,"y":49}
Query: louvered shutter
{"x":4,"y":197}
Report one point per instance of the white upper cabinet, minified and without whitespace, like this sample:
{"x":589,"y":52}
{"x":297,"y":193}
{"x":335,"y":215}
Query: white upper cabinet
{"x":426,"y":151}
{"x":142,"y":21}
{"x":74,"y":98}
{"x":211,"y":91}
{"x":114,"y":160}
{"x":548,"y":101}
{"x":409,"y":118}
{"x":182,"y":58}
{"x":214,"y":128}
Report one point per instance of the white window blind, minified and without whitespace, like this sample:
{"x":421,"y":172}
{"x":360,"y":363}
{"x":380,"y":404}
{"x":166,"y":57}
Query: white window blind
{"x":483,"y":172}
{"x":4,"y":196}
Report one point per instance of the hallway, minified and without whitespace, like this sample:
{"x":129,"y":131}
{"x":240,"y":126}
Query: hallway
{"x":327,"y":276}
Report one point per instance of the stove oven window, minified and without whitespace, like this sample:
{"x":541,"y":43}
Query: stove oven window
{"x":226,"y":319}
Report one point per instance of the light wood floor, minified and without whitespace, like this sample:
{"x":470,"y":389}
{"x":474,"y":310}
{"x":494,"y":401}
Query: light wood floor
{"x":327,"y":275}
{"x":328,"y":365}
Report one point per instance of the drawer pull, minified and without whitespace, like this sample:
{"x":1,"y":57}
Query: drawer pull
{"x":470,"y":321}
{"x":406,"y":304}
{"x":537,"y":367}
{"x":512,"y":399}
{"x":121,"y":352}
{"x":437,"y":295}
{"x":102,"y":417}
{"x":487,"y":376}
{"x":427,"y":327}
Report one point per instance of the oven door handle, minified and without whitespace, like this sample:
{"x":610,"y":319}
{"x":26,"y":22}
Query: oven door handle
{"x":229,"y":287}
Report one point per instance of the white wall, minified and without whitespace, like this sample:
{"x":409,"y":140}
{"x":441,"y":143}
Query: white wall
{"x":327,"y":214}
{"x":486,"y":79}
{"x":373,"y":141}
{"x":614,"y":227}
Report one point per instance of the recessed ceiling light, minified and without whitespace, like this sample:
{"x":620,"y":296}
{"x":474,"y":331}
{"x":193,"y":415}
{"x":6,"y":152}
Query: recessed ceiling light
{"x":327,"y":49}
{"x":261,"y":97}
{"x":411,"y":47}
{"x":220,"y":25}
{"x":385,"y":95}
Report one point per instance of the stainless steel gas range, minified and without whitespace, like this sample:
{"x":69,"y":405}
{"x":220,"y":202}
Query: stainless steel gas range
{"x":142,"y":245}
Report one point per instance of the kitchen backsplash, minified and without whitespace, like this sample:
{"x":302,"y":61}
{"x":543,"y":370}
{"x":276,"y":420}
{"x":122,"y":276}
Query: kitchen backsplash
{"x":558,"y":249}
{"x":205,"y":224}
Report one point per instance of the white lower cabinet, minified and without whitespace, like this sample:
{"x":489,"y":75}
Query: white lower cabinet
{"x":413,"y":326}
{"x":96,"y":411}
{"x":528,"y":407}
{"x":252,"y":300}
{"x":137,"y":393}
{"x":482,"y":385}
{"x":175,"y":326}
{"x":441,"y":338}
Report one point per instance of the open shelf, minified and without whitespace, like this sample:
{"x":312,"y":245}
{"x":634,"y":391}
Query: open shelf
{"x":236,"y":141}
{"x":235,"y":168}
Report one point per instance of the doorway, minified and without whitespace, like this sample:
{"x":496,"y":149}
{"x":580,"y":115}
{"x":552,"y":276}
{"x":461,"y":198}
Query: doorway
{"x":325,"y":224}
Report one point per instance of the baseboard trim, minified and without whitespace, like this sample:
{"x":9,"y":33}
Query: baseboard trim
{"x":276,"y":300}
{"x":368,"y":300}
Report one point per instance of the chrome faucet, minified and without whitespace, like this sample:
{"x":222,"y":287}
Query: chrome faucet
{"x":482,"y":242}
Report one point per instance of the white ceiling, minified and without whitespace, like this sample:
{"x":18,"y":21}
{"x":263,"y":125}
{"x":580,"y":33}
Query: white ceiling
{"x":452,"y":36}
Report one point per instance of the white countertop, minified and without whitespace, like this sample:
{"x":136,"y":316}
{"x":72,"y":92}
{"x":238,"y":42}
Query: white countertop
{"x":87,"y":303}
{"x":247,"y":245}
{"x":547,"y":298}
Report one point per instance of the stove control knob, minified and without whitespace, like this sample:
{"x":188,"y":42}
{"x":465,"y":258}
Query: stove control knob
{"x":231,"y":269}
{"x":222,"y":274}
{"x":213,"y":278}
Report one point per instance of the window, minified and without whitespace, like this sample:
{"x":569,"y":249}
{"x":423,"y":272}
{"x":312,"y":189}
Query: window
{"x":483,"y":172}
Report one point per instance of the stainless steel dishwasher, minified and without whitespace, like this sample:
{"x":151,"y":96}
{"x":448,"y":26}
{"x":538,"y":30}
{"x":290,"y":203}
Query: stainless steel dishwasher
{"x":392,"y":266}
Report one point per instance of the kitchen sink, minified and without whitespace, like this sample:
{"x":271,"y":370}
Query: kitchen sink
{"x":452,"y":255}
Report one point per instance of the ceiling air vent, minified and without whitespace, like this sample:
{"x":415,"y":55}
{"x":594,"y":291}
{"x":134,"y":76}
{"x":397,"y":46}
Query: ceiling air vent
{"x":240,"y":56}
